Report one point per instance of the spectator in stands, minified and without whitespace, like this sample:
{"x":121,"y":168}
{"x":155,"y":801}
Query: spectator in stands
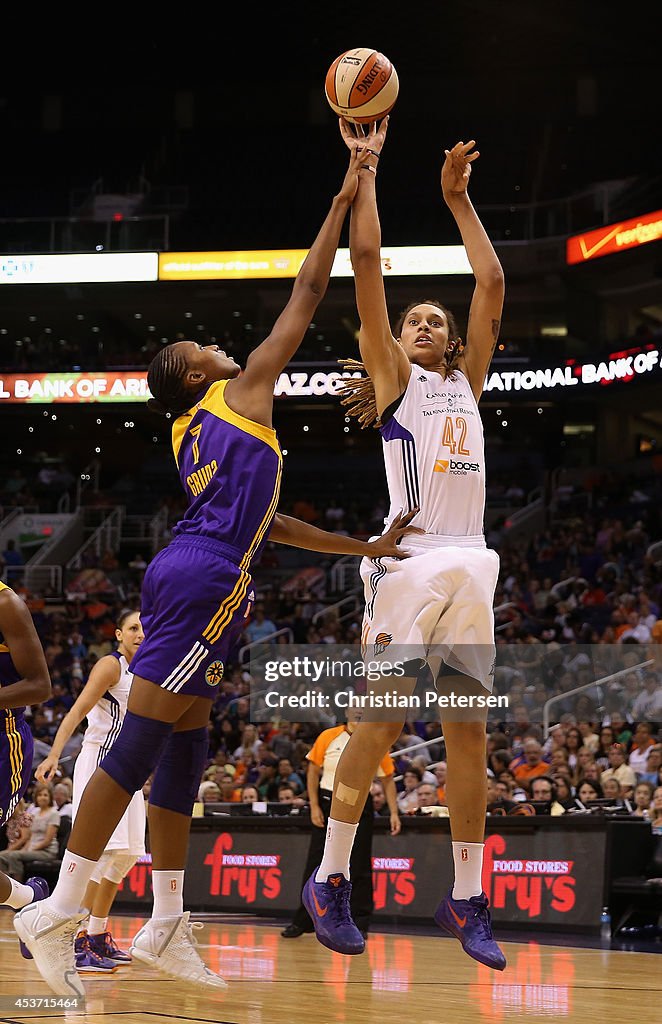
{"x":517,"y":792}
{"x":656,"y":811}
{"x":619,"y":770}
{"x":653,"y":766}
{"x":379,"y":803}
{"x":408,"y":795}
{"x":426,"y":795}
{"x":543,"y":788}
{"x":564,"y":793}
{"x":287,"y":776}
{"x":38,"y":842}
{"x":590,"y":738}
{"x":642,"y":742}
{"x":589,"y":791}
{"x":585,"y":758}
{"x":209,"y":792}
{"x":260,"y":626}
{"x":643,"y":797}
{"x":250,"y":795}
{"x":62,"y":799}
{"x":440,"y":772}
{"x":250,"y":747}
{"x":266,"y":778}
{"x":607,"y":739}
{"x":622,"y":731}
{"x":499,"y":760}
{"x":281,"y":743}
{"x":648,"y":705}
{"x":612,"y":789}
{"x":286,"y":795}
{"x":533,"y":764}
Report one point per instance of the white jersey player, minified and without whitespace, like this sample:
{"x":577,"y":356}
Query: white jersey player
{"x":422,"y":389}
{"x":103,"y":703}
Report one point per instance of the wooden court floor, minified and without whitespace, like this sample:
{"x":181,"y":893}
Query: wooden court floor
{"x":400,"y":977}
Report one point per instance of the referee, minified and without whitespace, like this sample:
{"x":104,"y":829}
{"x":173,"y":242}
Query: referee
{"x":323,"y":760}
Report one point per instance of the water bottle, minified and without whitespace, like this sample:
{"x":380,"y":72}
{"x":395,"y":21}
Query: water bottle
{"x":605,"y":925}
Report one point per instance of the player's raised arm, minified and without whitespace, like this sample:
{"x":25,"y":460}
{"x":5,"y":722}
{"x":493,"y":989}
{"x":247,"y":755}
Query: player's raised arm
{"x":27,"y":654}
{"x":268,"y":360}
{"x":383,"y":358}
{"x":487,"y":302}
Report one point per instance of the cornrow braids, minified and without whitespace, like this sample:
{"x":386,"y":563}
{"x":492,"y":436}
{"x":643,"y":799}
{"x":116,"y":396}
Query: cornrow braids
{"x":166,"y":381}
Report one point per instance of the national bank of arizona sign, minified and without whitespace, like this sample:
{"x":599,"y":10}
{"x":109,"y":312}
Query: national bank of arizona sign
{"x":321,"y":380}
{"x":617,"y":367}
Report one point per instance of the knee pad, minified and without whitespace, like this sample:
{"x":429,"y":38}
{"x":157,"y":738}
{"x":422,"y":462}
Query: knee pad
{"x":177,"y":778}
{"x":136,"y":751}
{"x":119,"y":865}
{"x":102,"y":865}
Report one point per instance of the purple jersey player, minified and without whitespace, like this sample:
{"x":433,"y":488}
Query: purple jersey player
{"x":196,"y":594}
{"x":24,"y":680}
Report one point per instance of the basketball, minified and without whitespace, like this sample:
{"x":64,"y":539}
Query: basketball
{"x":361,"y":85}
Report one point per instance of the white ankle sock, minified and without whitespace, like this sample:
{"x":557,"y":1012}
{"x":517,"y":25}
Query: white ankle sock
{"x":337,"y":850}
{"x":468,"y":860}
{"x":68,"y":894}
{"x":168,"y":887}
{"x":97,"y":925}
{"x":19,"y":896}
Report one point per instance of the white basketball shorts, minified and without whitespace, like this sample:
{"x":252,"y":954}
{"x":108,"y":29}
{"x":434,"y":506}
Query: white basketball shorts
{"x":437,"y":604}
{"x":130,"y":832}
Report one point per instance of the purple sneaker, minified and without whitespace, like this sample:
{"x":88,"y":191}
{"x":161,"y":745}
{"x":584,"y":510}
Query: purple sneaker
{"x":104,"y":945}
{"x":41,"y":890}
{"x":88,"y":961}
{"x":328,"y":906}
{"x":470,"y":922}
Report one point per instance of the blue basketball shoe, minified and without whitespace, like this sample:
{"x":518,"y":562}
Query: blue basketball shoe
{"x":471,"y":923}
{"x":41,"y":890}
{"x":328,"y":906}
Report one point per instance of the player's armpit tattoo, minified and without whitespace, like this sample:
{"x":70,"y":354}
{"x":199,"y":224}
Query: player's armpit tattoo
{"x":496,"y":325}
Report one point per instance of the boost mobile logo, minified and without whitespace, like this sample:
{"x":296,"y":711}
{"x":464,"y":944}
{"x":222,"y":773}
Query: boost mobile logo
{"x":452,"y":466}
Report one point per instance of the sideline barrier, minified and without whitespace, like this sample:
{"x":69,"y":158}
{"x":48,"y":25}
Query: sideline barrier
{"x":540,"y":872}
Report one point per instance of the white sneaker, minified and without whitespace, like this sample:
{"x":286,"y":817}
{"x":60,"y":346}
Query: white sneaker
{"x":50,"y":938}
{"x":168,"y":944}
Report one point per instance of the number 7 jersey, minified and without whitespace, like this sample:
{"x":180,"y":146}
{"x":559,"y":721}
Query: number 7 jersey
{"x":434,"y":455}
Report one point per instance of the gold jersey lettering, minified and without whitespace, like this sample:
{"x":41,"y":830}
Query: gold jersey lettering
{"x":199,"y":478}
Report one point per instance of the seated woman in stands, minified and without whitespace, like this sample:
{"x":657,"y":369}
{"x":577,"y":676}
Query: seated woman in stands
{"x":38,"y":840}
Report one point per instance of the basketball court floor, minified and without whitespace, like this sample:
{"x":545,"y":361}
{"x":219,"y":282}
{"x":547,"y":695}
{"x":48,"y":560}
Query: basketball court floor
{"x":423,"y":978}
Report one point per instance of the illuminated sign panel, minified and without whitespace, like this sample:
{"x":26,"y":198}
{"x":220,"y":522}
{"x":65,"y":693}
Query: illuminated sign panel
{"x":79,"y":268}
{"x":404,"y":261}
{"x":299,"y":380}
{"x":628,"y":234}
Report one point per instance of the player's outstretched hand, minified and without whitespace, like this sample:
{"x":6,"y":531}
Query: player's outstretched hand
{"x":386,"y":546}
{"x":456,"y":171}
{"x":372,"y":138}
{"x":358,"y":157}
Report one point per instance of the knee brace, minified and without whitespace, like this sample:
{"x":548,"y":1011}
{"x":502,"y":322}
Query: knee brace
{"x":102,"y":866}
{"x":119,"y":865}
{"x":177,"y":778}
{"x":136,"y":751}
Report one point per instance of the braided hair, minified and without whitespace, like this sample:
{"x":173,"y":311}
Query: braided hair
{"x":166,"y":379}
{"x":358,"y":393}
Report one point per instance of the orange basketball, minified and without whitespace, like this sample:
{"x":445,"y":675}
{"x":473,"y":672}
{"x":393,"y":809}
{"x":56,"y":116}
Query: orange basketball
{"x":361,"y":85}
